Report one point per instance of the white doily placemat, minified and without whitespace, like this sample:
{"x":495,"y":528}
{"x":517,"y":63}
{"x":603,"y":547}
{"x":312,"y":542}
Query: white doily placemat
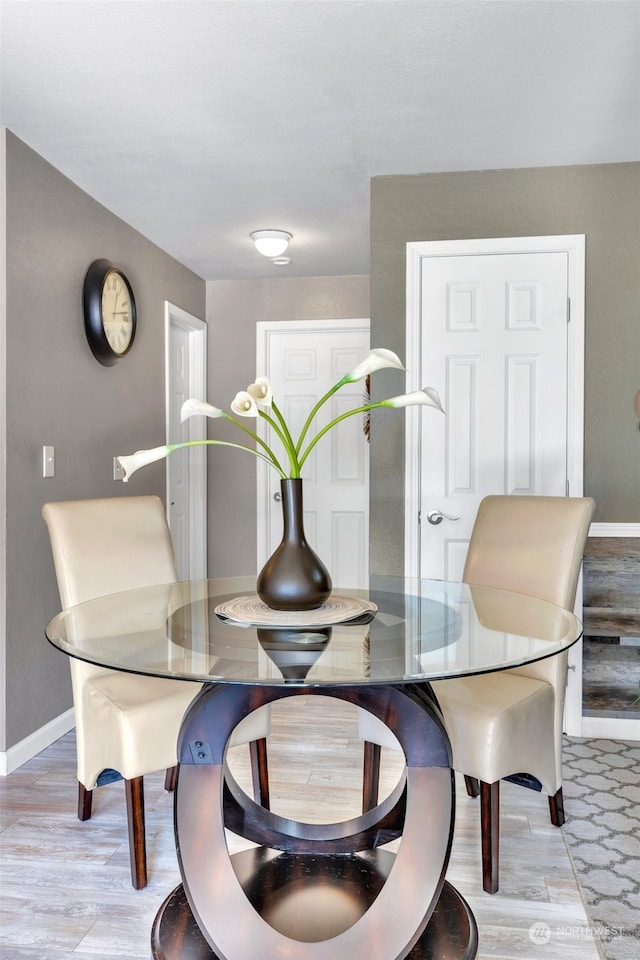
{"x":251,"y":610}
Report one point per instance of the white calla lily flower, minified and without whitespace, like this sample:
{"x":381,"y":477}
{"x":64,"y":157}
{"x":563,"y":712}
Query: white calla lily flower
{"x":377,"y":359}
{"x":243,"y":405}
{"x":435,"y":398}
{"x":194,"y":408}
{"x":427,"y":397}
{"x":260,"y":390}
{"x":141,"y":458}
{"x":257,"y":401}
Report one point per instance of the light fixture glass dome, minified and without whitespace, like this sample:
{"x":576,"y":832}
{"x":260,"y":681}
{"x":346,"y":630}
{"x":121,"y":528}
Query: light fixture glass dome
{"x":271,"y":243}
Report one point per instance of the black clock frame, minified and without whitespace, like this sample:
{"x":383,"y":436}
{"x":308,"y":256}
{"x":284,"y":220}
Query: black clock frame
{"x":94,"y":282}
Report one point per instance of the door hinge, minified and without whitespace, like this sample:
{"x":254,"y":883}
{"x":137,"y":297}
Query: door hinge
{"x":419,"y":516}
{"x":566,"y":487}
{"x":568,"y":309}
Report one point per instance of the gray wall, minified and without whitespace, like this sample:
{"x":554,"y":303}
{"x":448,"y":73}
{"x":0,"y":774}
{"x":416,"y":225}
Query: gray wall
{"x":57,"y":393}
{"x":602,"y":202}
{"x":233,"y":310}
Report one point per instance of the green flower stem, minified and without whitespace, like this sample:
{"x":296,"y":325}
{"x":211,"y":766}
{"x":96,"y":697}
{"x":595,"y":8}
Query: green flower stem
{"x":271,"y":459}
{"x":254,"y":436}
{"x":309,"y":419}
{"x":285,"y":439}
{"x":290,"y":446}
{"x":343,"y":416}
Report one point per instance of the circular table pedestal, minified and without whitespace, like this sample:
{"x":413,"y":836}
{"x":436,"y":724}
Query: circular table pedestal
{"x":314,"y":898}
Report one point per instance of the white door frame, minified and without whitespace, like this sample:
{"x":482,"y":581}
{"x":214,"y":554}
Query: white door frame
{"x":197,"y":329}
{"x":574,"y":246}
{"x":264,"y":330}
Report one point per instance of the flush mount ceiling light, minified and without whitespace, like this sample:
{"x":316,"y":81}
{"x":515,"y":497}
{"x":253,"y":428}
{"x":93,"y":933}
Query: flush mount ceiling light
{"x":271,"y":243}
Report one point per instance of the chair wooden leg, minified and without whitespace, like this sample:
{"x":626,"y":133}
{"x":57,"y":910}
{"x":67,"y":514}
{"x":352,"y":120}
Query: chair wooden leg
{"x":260,"y":771}
{"x":370,"y":775}
{"x":170,"y":779}
{"x":472,"y":785}
{"x":490,"y":831}
{"x":84,"y":802}
{"x":556,"y":808}
{"x":134,"y":791}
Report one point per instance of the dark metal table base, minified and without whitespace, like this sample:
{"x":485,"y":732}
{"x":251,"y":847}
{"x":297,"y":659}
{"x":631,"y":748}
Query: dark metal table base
{"x":314,"y":891}
{"x":451,"y":933}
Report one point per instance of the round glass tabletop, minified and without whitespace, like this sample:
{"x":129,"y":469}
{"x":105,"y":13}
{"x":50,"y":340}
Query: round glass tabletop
{"x":398,"y":631}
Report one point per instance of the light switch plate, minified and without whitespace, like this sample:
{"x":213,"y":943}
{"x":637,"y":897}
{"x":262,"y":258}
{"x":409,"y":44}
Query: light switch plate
{"x":118,"y":470}
{"x":48,"y":461}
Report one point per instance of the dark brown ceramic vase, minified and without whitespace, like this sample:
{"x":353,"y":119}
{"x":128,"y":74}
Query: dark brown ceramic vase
{"x":294,"y":577}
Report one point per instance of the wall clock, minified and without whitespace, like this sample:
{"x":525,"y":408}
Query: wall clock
{"x":109,"y":309}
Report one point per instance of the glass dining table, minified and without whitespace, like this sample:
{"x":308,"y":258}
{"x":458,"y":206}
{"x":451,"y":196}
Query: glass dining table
{"x":302,"y":890}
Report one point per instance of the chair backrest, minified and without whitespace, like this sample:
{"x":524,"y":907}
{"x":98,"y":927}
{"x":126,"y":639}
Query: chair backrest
{"x":103,"y":546}
{"x":531,"y":545}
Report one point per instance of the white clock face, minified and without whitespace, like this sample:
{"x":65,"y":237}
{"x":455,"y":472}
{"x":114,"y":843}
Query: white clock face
{"x":117,"y":313}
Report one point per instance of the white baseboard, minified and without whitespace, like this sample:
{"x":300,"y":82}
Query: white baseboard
{"x":37,"y":741}
{"x":610,"y":728}
{"x":614,"y":530}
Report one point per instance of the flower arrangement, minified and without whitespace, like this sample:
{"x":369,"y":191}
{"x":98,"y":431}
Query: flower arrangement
{"x":257,"y":400}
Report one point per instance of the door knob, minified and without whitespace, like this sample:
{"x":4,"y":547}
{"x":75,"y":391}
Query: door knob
{"x":435,"y":517}
{"x":277,"y":496}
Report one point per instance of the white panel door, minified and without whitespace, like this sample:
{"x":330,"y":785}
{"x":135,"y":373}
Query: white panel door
{"x":303,"y":360}
{"x":494,"y":344}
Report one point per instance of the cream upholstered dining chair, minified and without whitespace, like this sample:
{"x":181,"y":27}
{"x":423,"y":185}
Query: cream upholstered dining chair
{"x":508,"y":724}
{"x":127,"y":725}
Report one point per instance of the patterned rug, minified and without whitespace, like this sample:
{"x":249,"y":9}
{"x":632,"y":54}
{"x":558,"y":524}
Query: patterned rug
{"x":602,"y":807}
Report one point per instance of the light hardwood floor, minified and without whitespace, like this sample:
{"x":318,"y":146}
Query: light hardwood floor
{"x":66,"y":888}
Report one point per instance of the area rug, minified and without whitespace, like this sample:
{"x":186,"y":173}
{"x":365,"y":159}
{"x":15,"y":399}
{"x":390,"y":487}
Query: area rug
{"x":602,"y":830}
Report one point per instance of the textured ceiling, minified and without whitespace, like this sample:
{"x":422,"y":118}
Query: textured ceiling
{"x":197,"y":122}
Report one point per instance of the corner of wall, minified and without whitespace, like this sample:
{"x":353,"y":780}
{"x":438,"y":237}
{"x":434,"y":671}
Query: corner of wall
{"x":3,"y":427}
